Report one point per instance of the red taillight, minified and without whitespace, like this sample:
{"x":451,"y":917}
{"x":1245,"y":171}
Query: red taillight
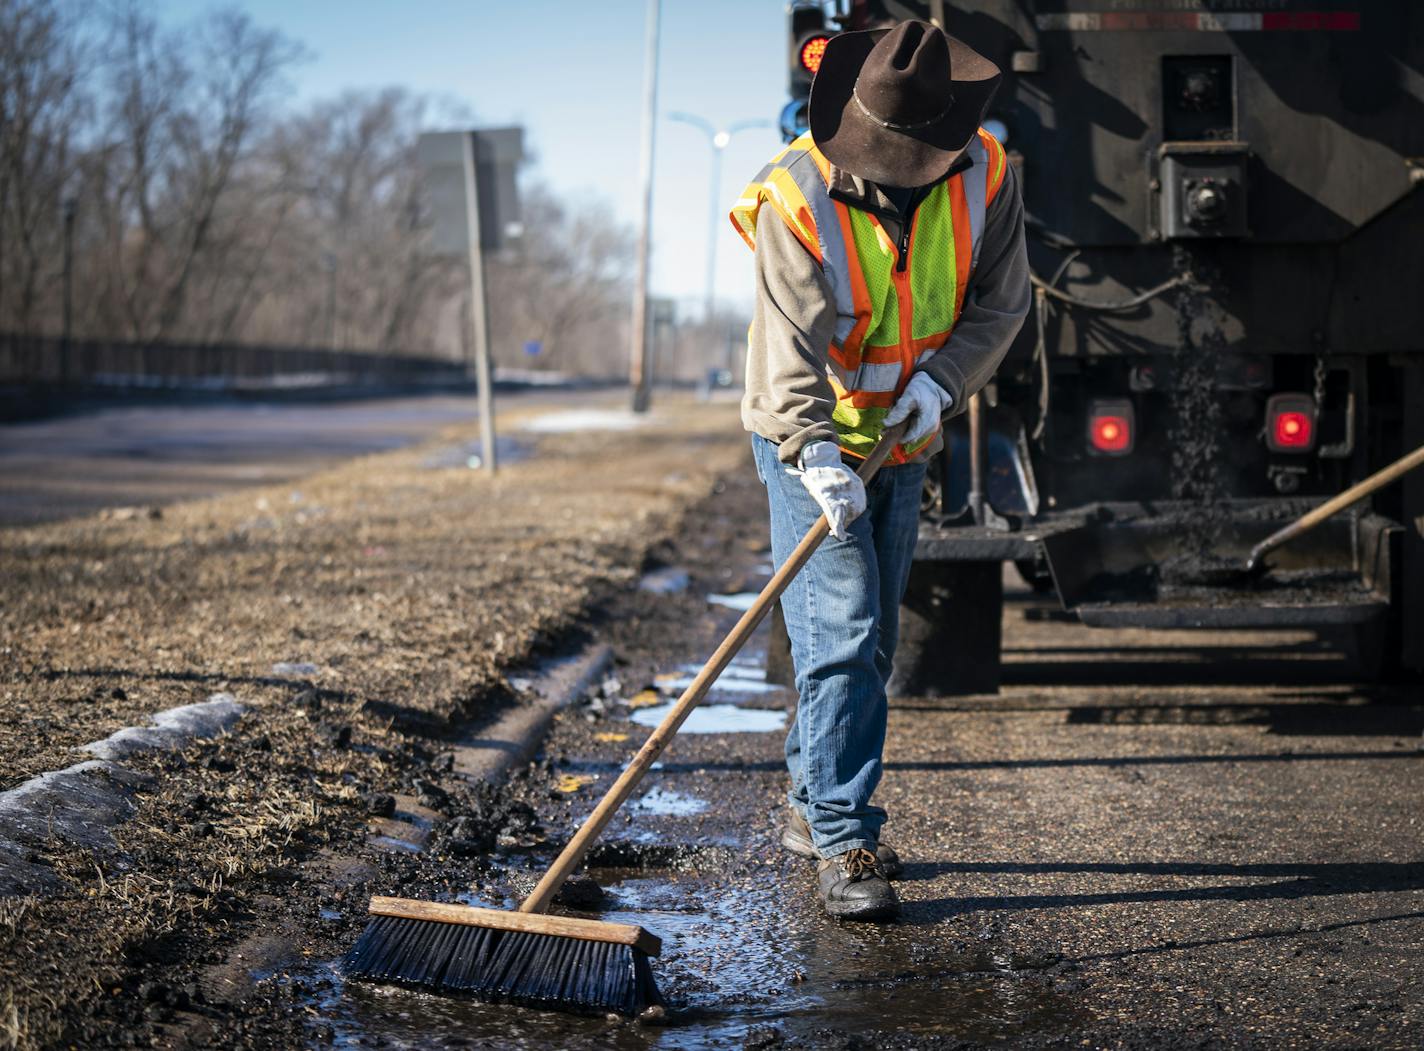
{"x":1293,"y":429}
{"x":1111,"y":427}
{"x":1290,"y":423}
{"x":812,"y":48}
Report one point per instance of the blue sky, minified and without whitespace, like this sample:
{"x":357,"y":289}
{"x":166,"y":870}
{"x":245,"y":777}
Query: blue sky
{"x":571,"y":73}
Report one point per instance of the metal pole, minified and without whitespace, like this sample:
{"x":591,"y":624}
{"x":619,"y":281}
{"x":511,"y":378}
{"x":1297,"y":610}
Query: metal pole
{"x":479,"y":317}
{"x":976,"y":458}
{"x":640,"y":372}
{"x":719,"y":142}
{"x":71,"y":207}
{"x":328,"y":260}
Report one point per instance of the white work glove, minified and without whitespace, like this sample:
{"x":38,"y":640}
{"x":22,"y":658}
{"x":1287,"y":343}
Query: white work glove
{"x":837,"y":488}
{"x":922,"y":402}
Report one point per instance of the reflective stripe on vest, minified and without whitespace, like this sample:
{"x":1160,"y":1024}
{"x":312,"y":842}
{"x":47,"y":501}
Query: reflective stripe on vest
{"x":888,"y":322}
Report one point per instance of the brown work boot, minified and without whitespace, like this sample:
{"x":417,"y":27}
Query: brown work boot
{"x":796,"y":837}
{"x":853,"y":887}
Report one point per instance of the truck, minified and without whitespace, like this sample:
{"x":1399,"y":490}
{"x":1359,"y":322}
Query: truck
{"x":1225,"y":224}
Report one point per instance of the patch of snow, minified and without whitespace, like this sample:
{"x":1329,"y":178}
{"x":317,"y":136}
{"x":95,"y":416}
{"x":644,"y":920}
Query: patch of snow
{"x":741,"y":602}
{"x":571,"y":421}
{"x":296,"y":667}
{"x":77,"y":804}
{"x":170,"y":729}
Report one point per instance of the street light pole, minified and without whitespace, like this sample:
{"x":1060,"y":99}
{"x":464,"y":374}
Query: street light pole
{"x":717,"y":138}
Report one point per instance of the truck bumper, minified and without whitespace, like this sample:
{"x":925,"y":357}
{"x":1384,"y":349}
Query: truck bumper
{"x":1108,"y":566}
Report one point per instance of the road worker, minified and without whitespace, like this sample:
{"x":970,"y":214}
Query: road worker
{"x":891,"y":277}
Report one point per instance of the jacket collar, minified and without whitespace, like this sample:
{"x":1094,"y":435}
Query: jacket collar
{"x":868,"y":197}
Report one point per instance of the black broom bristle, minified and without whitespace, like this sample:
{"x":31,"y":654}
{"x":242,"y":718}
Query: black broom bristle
{"x":500,"y":966}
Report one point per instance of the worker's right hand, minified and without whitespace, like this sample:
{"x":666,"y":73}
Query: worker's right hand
{"x":837,"y":488}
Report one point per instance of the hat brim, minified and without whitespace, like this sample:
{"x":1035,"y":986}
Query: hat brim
{"x":850,"y":139}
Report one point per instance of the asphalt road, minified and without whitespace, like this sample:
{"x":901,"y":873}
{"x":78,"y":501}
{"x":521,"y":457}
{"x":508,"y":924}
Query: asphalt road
{"x":1148,"y":839}
{"x":151,"y":456}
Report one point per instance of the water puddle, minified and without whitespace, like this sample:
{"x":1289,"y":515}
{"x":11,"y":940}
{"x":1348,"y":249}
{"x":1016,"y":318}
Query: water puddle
{"x":716,"y":719}
{"x":668,"y":803}
{"x":742,"y":676}
{"x":670,"y":580}
{"x":403,"y":846}
{"x":571,"y":421}
{"x":406,"y":831}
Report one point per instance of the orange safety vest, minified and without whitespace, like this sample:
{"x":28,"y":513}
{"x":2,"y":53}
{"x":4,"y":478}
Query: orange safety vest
{"x":890,"y":317}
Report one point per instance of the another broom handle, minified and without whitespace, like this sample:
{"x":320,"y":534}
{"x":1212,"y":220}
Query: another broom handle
{"x":1336,"y":504}
{"x":573,"y":853}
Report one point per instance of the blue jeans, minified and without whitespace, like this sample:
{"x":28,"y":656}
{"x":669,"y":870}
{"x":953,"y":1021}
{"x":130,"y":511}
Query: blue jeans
{"x":843,"y":616}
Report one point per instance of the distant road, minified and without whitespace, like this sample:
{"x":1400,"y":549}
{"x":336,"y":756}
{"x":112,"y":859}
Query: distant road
{"x":73,"y":465}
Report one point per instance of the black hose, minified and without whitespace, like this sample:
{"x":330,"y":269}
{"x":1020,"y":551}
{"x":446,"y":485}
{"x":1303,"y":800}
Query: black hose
{"x":1040,"y":313}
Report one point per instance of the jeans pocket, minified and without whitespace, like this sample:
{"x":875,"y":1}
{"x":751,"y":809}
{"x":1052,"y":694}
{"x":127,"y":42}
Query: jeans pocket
{"x":757,"y":449}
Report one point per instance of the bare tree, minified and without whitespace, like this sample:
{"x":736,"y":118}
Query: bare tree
{"x":42,"y":106}
{"x":357,"y":273}
{"x":564,"y":284}
{"x":179,"y":128}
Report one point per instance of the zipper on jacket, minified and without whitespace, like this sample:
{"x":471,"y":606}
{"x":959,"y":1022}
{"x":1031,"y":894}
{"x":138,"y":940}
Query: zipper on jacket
{"x":904,"y":245}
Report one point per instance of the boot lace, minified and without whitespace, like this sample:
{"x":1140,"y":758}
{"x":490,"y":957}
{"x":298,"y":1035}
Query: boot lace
{"x":860,"y":864}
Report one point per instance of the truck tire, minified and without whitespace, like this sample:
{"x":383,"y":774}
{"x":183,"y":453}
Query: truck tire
{"x":1377,"y":648}
{"x":950,"y":630}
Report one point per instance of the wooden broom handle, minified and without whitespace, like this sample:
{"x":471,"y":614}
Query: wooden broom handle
{"x":1336,"y":504}
{"x":542,"y":895}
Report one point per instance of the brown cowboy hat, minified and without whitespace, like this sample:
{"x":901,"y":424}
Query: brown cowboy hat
{"x":899,"y":106}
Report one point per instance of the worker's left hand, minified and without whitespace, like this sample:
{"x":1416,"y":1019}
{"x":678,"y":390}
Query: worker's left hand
{"x":922,"y":402}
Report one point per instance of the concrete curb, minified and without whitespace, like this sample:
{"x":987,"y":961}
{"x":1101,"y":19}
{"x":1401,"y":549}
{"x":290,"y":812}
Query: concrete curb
{"x":514,"y":738}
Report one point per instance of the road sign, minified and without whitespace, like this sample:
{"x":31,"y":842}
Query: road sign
{"x":498,"y":152}
{"x":469,"y":179}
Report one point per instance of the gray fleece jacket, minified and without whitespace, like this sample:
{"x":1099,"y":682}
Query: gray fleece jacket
{"x":788,"y":396}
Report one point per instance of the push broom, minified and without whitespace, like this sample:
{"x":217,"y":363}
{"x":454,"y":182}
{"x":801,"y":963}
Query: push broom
{"x":528,"y":957}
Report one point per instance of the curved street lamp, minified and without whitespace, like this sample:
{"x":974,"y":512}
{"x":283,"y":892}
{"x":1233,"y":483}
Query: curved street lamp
{"x":717,"y":138}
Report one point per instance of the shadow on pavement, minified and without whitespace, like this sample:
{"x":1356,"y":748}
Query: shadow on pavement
{"x":1305,"y":881}
{"x":1315,"y":717}
{"x":1234,"y":939}
{"x":1188,"y":666}
{"x":953,"y":766}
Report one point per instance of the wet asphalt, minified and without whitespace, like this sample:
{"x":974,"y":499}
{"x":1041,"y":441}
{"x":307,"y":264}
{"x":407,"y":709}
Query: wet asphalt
{"x":1147,"y":839}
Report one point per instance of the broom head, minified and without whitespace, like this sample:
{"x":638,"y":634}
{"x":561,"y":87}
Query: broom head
{"x":508,"y":957}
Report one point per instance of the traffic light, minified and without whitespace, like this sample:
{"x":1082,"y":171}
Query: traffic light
{"x":808,"y":42}
{"x":808,"y":39}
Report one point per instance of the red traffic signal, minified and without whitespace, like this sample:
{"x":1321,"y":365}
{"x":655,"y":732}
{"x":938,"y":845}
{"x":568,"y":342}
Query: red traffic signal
{"x":808,"y":38}
{"x":810,"y":51}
